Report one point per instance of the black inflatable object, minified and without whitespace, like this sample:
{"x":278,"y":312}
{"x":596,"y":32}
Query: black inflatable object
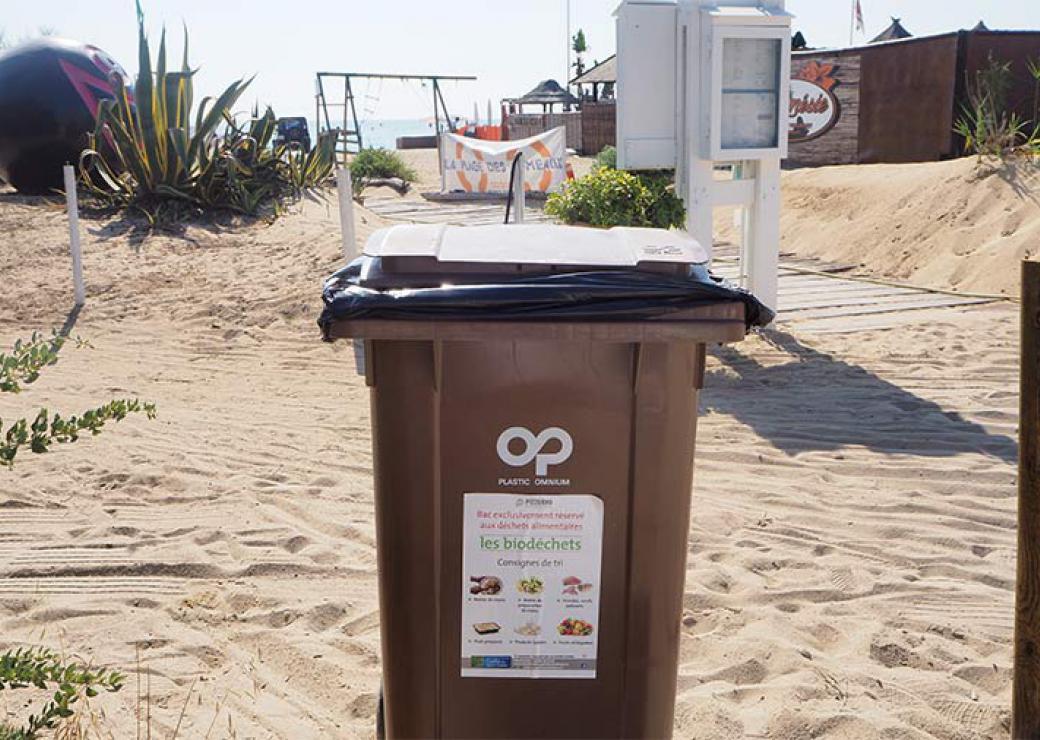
{"x":49,"y":95}
{"x":590,"y":295}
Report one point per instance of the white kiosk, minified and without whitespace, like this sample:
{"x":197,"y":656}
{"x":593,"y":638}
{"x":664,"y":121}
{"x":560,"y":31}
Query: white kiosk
{"x":701,"y":84}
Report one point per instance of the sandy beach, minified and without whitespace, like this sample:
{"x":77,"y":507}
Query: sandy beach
{"x":851,"y":552}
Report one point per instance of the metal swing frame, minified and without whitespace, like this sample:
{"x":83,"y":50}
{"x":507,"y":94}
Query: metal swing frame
{"x":348,"y":133}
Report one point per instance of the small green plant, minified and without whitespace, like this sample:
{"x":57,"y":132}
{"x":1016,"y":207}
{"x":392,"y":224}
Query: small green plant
{"x":150,"y":154}
{"x":370,"y":164}
{"x":45,"y":429}
{"x":986,"y":125}
{"x":43,"y":669}
{"x":26,"y":359}
{"x":609,"y":197}
{"x":23,"y":365}
{"x":607,"y":158}
{"x":1033,"y":65}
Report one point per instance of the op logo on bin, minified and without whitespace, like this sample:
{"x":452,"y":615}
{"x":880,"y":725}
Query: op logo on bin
{"x":533,"y":446}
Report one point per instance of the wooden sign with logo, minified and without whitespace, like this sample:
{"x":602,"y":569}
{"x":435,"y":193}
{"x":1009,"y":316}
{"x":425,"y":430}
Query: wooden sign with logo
{"x":813,"y":109}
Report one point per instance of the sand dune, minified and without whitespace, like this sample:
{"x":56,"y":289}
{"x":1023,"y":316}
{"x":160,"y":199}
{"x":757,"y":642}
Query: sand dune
{"x":959,"y":224}
{"x":851,"y":546}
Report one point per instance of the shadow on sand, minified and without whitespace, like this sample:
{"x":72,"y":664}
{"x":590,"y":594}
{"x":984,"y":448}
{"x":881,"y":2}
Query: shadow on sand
{"x":108,"y":224}
{"x":134,"y":228}
{"x":1019,"y":172}
{"x":70,"y":321}
{"x":819,"y":402}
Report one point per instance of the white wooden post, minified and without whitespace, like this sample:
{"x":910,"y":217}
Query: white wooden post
{"x":72,"y":205}
{"x":344,"y":190}
{"x":442,"y":146}
{"x":762,"y":233}
{"x":699,"y":203}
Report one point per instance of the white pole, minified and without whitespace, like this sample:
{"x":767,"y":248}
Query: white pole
{"x":763,"y":232}
{"x":852,"y":20}
{"x":72,"y":204}
{"x":346,"y":212}
{"x":567,"y":77}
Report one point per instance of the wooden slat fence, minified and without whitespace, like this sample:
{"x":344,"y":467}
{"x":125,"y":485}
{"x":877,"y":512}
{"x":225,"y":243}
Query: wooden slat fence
{"x":522,"y":125}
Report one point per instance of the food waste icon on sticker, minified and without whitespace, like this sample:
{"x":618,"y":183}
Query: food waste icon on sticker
{"x":574,"y":586}
{"x":531,"y":585}
{"x":485,"y":585}
{"x":572,"y":627}
{"x":529,"y":629}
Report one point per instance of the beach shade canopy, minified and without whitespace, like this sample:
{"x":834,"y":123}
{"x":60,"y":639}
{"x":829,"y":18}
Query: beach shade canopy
{"x":548,"y":92}
{"x":605,"y":71}
{"x":894,"y":32}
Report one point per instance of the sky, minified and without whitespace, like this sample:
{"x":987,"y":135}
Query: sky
{"x":509,"y":45}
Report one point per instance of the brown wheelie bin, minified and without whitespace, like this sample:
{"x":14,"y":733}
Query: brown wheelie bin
{"x":534,"y":405}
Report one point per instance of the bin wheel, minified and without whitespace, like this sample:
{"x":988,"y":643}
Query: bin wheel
{"x":380,"y":718}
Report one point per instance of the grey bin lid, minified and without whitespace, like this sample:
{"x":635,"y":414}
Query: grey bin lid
{"x":534,"y":281}
{"x":454,"y":248}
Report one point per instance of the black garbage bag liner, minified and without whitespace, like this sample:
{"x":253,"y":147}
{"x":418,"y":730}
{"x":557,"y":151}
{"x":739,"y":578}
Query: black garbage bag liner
{"x":588,"y":295}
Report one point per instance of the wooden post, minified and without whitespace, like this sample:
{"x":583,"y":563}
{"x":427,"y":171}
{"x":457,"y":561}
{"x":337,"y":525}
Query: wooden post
{"x":72,"y":204}
{"x":1025,"y":700}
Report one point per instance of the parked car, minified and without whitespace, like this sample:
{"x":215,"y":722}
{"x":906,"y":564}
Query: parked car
{"x":293,"y":132}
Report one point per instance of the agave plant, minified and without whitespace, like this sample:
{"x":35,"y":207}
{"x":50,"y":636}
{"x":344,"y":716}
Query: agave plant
{"x":150,"y":153}
{"x":250,"y":171}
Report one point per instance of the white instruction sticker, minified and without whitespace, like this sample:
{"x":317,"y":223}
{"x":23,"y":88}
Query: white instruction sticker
{"x":531,"y":585}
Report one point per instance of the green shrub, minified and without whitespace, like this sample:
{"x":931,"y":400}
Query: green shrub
{"x":608,"y":197}
{"x":665,"y":209}
{"x":43,"y":669}
{"x":607,"y":158}
{"x":1033,"y":145}
{"x":378,"y":163}
{"x":986,"y":124}
{"x":155,"y":157}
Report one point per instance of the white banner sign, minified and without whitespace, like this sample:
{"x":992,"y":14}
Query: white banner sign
{"x":478,"y":166}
